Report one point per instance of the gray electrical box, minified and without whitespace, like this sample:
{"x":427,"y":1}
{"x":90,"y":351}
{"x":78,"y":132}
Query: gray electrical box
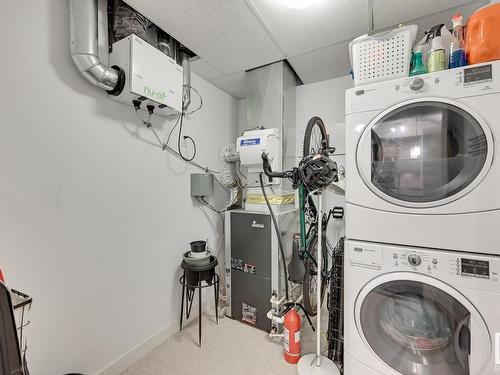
{"x":202,"y":184}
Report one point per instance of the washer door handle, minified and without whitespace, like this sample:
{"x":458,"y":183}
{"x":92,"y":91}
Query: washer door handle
{"x":462,"y":341}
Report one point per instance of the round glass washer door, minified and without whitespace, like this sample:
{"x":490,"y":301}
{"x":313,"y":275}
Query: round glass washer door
{"x":425,"y":153}
{"x":418,"y":325}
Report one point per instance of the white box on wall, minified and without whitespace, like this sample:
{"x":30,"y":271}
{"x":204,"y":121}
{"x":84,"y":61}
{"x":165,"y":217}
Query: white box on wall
{"x":150,"y":76}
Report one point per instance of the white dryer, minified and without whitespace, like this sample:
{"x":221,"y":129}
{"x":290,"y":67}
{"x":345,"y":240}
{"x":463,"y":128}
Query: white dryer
{"x":422,"y":163}
{"x":414,"y":311}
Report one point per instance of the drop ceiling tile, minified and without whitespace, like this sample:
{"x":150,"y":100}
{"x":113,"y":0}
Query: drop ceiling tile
{"x":205,"y":70}
{"x":324,"y":23}
{"x":326,"y":63}
{"x":393,"y":12}
{"x":223,"y":32}
{"x":234,"y":84}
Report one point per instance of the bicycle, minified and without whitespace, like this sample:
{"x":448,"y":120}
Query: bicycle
{"x":315,"y":171}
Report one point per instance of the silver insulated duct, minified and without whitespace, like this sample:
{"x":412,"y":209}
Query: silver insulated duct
{"x":84,"y":48}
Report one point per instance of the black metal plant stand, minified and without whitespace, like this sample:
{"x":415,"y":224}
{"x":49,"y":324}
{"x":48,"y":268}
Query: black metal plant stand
{"x":198,"y":277}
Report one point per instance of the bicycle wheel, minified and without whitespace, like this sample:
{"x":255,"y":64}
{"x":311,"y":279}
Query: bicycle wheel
{"x":315,"y":137}
{"x":310,"y":282}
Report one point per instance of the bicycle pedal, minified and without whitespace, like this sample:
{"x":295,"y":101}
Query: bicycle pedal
{"x":338,"y":212}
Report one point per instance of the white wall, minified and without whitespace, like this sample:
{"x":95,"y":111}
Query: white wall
{"x":325,"y":99}
{"x":93,"y":216}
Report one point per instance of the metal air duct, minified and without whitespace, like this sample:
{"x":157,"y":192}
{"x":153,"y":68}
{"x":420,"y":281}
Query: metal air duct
{"x":84,"y":48}
{"x":271,"y":104}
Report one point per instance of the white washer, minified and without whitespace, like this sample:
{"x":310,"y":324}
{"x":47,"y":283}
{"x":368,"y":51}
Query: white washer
{"x":422,"y":165}
{"x":414,"y":311}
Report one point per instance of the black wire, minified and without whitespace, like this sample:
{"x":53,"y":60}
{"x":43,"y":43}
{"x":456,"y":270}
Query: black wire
{"x":194,"y":146}
{"x":210,"y":206}
{"x":278,"y":234}
{"x":166,"y":147}
{"x":291,"y":305}
{"x":186,"y":137}
{"x":307,"y":316}
{"x":239,"y":171}
{"x":199,"y":96}
{"x":172,"y":130}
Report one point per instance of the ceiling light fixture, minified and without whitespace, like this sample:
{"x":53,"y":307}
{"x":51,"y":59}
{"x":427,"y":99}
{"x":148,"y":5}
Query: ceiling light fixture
{"x":298,"y":4}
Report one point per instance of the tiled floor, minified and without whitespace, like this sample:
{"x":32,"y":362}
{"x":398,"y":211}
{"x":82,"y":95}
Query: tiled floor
{"x":228,"y":348}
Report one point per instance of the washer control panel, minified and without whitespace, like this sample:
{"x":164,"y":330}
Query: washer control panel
{"x":414,"y":260}
{"x":436,"y":263}
{"x":471,"y":267}
{"x":463,"y":269}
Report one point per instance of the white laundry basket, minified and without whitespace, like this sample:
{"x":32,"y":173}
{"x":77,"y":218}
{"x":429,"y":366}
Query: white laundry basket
{"x":382,"y":56}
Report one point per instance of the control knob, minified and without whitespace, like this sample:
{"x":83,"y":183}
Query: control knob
{"x":414,"y":259}
{"x":416,"y":84}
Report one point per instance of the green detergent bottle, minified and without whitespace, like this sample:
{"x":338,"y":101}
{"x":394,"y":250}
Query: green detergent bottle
{"x":436,"y":57}
{"x":418,"y":66}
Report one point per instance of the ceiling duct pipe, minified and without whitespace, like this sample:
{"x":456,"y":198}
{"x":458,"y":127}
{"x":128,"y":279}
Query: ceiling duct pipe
{"x":84,"y":48}
{"x":186,"y":66}
{"x":271,"y":104}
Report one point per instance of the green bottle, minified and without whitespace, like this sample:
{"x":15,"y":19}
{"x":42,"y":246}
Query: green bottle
{"x":418,"y":65}
{"x":436,"y":58}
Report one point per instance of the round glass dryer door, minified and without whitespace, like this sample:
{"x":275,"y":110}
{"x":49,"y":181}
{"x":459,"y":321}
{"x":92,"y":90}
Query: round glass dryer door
{"x":424,"y":153}
{"x":417,"y":329}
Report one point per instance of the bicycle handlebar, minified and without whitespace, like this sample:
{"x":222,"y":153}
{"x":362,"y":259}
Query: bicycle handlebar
{"x":268,"y":170}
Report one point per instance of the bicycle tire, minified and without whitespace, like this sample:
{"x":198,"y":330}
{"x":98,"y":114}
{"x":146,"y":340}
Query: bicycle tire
{"x":314,"y":122}
{"x":309,"y":282}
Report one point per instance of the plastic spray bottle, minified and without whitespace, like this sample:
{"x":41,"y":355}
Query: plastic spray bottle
{"x":457,"y":50}
{"x":436,"y":57}
{"x":418,"y":64}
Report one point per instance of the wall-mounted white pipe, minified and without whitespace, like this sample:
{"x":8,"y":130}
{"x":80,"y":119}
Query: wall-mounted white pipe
{"x":84,"y":47}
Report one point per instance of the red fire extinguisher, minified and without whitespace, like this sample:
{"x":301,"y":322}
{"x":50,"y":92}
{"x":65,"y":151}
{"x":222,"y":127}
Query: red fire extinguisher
{"x":291,"y":333}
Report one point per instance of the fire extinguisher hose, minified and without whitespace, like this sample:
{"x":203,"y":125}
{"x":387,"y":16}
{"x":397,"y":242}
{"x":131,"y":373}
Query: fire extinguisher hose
{"x":291,"y":305}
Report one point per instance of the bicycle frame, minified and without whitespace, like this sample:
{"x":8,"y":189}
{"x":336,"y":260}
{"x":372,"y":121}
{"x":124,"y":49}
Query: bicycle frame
{"x":307,"y":236}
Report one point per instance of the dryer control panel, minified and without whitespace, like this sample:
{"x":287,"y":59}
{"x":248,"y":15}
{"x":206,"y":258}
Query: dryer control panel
{"x":457,"y":268}
{"x":472,"y":80}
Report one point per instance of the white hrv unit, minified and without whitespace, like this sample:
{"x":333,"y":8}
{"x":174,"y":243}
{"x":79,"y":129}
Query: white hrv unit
{"x":150,"y":76}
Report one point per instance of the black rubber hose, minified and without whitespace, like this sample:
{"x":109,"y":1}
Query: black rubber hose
{"x":278,"y":234}
{"x":291,"y":305}
{"x":307,"y":316}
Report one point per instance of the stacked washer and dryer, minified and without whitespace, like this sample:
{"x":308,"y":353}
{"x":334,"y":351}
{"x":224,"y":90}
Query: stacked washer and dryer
{"x":422,"y":261}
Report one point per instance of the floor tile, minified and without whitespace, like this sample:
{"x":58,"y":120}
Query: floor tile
{"x":231,"y":347}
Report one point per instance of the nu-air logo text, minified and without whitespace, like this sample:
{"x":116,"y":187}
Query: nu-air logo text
{"x":155,"y":94}
{"x":257,"y":225}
